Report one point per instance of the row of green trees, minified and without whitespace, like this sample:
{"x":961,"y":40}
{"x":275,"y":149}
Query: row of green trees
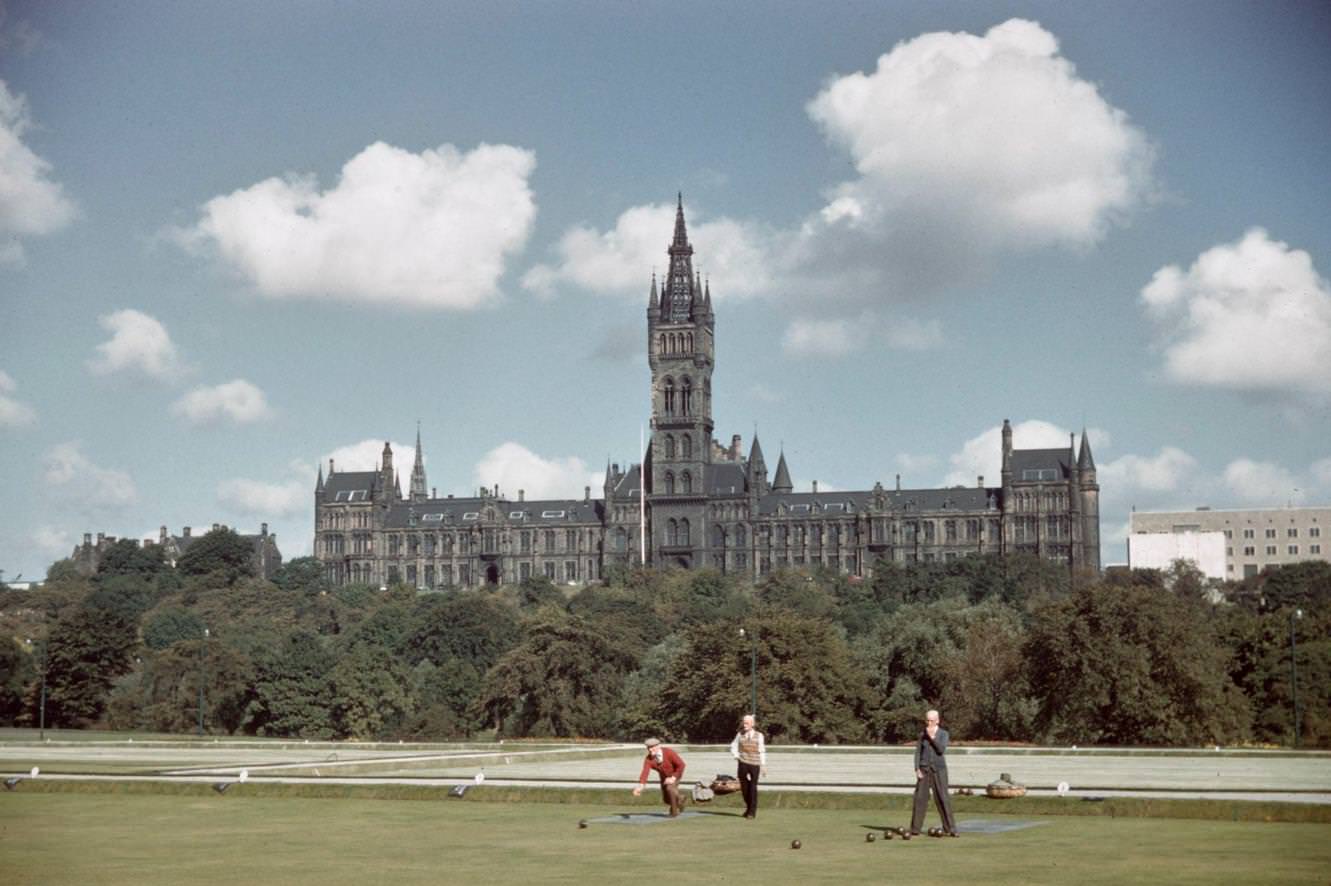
{"x":1010,"y":649}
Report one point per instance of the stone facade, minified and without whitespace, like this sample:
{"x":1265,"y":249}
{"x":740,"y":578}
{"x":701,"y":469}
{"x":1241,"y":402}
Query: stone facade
{"x":707,"y":505}
{"x":267,"y":559}
{"x":1255,"y":538}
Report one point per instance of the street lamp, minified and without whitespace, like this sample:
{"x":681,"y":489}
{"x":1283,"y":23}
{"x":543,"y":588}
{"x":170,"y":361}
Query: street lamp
{"x":753,"y":670}
{"x":42,"y":721}
{"x":1294,"y":671}
{"x":202,"y":655}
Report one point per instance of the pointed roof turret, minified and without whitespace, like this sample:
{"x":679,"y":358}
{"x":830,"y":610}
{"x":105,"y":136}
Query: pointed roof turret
{"x":782,"y":481}
{"x":1085,"y":461}
{"x":756,"y":450}
{"x":319,"y":483}
{"x":418,"y":487}
{"x":677,"y":290}
{"x":652,"y":303}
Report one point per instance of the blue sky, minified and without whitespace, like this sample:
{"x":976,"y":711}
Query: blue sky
{"x":239,"y":238}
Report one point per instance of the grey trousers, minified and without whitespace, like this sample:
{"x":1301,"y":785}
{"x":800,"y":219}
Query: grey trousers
{"x":935,"y":780}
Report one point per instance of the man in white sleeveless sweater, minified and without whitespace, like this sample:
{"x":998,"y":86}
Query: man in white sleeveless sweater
{"x":750,"y":749}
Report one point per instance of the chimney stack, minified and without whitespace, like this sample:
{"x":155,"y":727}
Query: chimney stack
{"x":815,"y":485}
{"x":586,"y":493}
{"x":330,"y":467}
{"x":87,"y":538}
{"x":185,"y":532}
{"x":898,"y":482}
{"x":101,"y":537}
{"x":161,"y":535}
{"x":434,"y":492}
{"x":263,"y":529}
{"x":979,"y":481}
{"x":522,"y":495}
{"x":735,"y":447}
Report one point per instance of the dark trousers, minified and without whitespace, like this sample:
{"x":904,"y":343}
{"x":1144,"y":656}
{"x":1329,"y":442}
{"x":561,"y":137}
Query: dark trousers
{"x":748,"y":785}
{"x":670,"y":796}
{"x":935,"y":780}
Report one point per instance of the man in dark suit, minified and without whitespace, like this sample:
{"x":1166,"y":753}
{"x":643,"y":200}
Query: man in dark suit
{"x":931,"y":774}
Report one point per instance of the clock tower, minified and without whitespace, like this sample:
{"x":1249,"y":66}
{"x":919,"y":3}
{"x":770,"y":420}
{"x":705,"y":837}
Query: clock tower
{"x":681,"y":353}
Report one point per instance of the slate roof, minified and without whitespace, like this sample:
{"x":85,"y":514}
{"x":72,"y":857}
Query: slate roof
{"x":1059,"y":460}
{"x":958,"y":498}
{"x":349,"y":481}
{"x":725,"y":479}
{"x":627,"y":486}
{"x":452,"y":512}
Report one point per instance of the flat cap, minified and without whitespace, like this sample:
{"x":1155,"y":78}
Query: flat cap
{"x":652,"y":742}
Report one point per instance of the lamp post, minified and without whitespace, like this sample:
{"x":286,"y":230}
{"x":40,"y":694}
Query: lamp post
{"x":753,"y":669}
{"x":41,"y":733}
{"x":203,"y":652}
{"x":1294,"y":671}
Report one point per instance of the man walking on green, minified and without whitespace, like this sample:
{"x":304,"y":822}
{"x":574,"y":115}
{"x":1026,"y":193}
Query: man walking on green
{"x":931,"y":774}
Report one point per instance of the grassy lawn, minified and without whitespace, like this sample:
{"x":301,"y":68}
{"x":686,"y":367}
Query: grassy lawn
{"x":164,"y":839}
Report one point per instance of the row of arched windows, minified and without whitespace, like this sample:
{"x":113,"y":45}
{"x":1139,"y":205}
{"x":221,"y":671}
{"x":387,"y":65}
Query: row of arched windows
{"x":685,"y":446}
{"x":685,"y":483}
{"x":676,"y":343}
{"x":677,"y":532}
{"x":684,"y":403}
{"x":738,"y":537}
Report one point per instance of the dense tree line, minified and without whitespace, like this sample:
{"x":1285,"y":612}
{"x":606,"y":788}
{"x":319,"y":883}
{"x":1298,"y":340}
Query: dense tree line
{"x":1010,"y":649}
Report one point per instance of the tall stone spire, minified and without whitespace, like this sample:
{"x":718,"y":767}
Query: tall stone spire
{"x":781,"y":483}
{"x":678,"y":290}
{"x":418,"y":487}
{"x":1085,"y":461}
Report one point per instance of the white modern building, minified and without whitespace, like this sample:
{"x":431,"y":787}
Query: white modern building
{"x":1253,"y":539}
{"x":1159,"y":550}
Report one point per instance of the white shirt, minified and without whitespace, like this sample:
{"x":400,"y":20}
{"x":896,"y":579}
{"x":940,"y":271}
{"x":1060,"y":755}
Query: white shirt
{"x":762,"y":746}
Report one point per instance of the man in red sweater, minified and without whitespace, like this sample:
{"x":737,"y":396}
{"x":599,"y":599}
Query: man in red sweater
{"x":670,"y":766}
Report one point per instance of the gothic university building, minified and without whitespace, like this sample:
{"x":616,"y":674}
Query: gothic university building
{"x":706,"y":505}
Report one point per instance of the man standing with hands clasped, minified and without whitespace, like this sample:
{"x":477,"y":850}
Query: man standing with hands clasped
{"x":750,"y":750}
{"x":931,"y":774}
{"x":670,"y":766}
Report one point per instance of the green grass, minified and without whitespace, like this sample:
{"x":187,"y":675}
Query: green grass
{"x":199,"y":837}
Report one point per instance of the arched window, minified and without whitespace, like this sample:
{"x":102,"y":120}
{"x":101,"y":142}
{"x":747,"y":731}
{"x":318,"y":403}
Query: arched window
{"x":686,"y":392}
{"x":669,"y":483}
{"x":689,"y":342}
{"x":683,"y":537}
{"x":686,"y":482}
{"x":740,"y":537}
{"x":669,"y":388}
{"x":672,"y":532}
{"x":718,"y":536}
{"x":661,"y":348}
{"x":621,"y":540}
{"x":686,"y":447}
{"x":670,"y":445}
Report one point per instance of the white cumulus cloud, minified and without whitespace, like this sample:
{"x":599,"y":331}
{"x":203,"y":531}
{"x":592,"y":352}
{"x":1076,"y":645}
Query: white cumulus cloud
{"x":31,"y":203}
{"x":427,"y":230}
{"x":983,"y":453}
{"x":367,"y":455}
{"x":266,"y":499}
{"x":832,"y":337}
{"x":514,"y":466}
{"x":1252,"y":315}
{"x":73,"y":476}
{"x":993,"y":136}
{"x":14,"y":413}
{"x":1262,"y":483}
{"x":737,"y":260}
{"x":139,"y":345}
{"x":1169,"y":470}
{"x":237,"y":401}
